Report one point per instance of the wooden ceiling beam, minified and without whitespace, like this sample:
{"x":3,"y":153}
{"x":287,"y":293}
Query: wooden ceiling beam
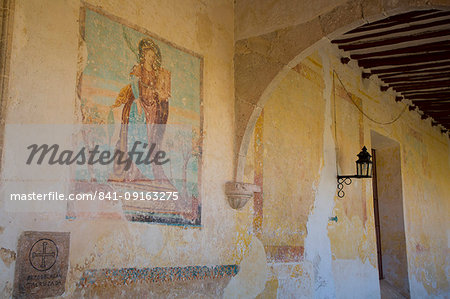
{"x":426,"y":98}
{"x":428,"y":108}
{"x":440,"y":115}
{"x":418,"y":87}
{"x":402,"y":45}
{"x":435,"y":114}
{"x":404,"y":59}
{"x":409,"y":52}
{"x":391,"y":31}
{"x":436,"y":46}
{"x":431,"y":90}
{"x":426,"y":102}
{"x":413,"y":16}
{"x":431,"y":97}
{"x":440,"y":119}
{"x":412,"y":67}
{"x":439,"y":91}
{"x":434,"y":106}
{"x":424,"y":89}
{"x":416,"y":78}
{"x":415,"y":73}
{"x":426,"y":112}
{"x":394,"y":40}
{"x":411,"y":90}
{"x":429,"y":83}
{"x":429,"y":100}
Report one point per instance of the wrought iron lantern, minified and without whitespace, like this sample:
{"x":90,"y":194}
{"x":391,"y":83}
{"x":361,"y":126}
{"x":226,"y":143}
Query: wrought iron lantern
{"x":363,"y":170}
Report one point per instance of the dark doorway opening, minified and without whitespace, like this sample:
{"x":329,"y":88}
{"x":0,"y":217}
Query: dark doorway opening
{"x":377,"y":215}
{"x":389,"y":217}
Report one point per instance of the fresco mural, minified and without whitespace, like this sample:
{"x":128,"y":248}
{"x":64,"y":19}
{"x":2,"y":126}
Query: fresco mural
{"x":139,"y":92}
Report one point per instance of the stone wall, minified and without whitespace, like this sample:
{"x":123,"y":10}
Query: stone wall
{"x":275,"y":115}
{"x":42,"y":90}
{"x":314,"y":111}
{"x":264,"y":53}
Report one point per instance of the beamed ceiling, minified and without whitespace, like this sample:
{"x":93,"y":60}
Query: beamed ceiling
{"x":409,"y":53}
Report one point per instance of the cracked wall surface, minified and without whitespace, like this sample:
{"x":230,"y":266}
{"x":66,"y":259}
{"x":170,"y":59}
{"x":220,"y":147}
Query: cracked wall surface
{"x":265,"y":53}
{"x":310,"y":114}
{"x":270,"y":99}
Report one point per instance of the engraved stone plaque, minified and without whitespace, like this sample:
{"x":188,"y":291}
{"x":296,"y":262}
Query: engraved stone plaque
{"x":41,"y":265}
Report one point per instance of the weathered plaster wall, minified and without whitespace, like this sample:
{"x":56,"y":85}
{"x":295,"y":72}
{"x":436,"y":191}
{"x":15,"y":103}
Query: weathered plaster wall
{"x":315,"y":256}
{"x":42,"y":89}
{"x":339,"y":258}
{"x":264,"y":54}
{"x":390,"y":202}
{"x":259,"y":17}
{"x":287,"y":160}
{"x":422,"y":177}
{"x":263,"y":59}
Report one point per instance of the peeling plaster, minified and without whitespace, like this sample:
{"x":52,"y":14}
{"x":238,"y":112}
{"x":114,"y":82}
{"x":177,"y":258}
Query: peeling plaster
{"x":358,"y":280}
{"x":8,"y":256}
{"x":317,"y":243}
{"x":100,"y":244}
{"x":295,"y":280}
{"x":252,"y":275}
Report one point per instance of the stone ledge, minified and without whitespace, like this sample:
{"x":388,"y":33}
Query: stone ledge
{"x":239,"y":193}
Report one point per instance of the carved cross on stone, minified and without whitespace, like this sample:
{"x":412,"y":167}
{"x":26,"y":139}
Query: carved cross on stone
{"x":43,"y":255}
{"x":41,"y":265}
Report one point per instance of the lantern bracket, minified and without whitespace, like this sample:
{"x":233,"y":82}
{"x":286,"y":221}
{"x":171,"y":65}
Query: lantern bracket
{"x":346,"y":180}
{"x":362,"y":172}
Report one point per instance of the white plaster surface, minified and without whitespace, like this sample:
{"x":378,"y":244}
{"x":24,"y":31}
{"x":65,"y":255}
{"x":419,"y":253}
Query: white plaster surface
{"x":317,"y":243}
{"x":355,"y":279}
{"x":252,"y":276}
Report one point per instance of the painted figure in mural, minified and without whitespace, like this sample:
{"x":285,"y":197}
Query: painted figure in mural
{"x":145,"y":100}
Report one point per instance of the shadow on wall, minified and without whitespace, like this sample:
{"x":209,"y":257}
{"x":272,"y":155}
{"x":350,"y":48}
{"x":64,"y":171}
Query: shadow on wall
{"x":390,"y":227}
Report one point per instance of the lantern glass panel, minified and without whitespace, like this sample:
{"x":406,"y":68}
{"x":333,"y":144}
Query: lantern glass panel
{"x":364,"y":169}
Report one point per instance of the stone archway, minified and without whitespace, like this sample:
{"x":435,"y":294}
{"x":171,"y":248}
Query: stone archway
{"x":261,"y":62}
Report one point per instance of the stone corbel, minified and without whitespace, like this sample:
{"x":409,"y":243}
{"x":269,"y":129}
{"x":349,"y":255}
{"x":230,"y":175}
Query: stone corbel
{"x":239,"y":193}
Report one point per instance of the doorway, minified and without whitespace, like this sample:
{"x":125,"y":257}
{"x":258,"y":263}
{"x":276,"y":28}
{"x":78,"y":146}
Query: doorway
{"x":389,"y":217}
